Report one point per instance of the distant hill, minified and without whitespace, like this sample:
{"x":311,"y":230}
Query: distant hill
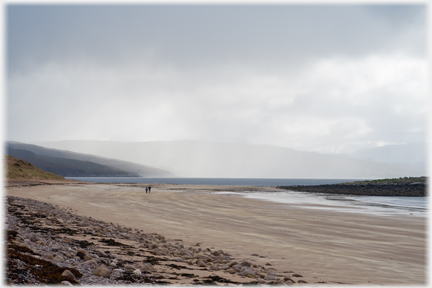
{"x":69,"y":167}
{"x":208,"y":159}
{"x":19,"y":169}
{"x":71,"y":164}
{"x":412,"y":153}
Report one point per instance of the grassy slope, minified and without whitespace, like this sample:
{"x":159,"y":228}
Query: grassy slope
{"x":69,"y":167}
{"x":19,"y":169}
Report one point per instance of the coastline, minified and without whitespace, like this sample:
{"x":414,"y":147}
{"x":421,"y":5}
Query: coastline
{"x":320,"y":245}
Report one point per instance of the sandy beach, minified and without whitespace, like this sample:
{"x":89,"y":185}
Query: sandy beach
{"x":323,"y":246}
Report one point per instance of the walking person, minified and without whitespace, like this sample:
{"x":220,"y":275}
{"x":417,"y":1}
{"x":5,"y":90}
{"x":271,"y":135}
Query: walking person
{"x":146,"y":189}
{"x":149,"y":188}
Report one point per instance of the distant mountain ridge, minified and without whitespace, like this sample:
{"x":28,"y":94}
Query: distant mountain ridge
{"x":412,"y":153}
{"x":72,"y":164}
{"x":225,"y":160}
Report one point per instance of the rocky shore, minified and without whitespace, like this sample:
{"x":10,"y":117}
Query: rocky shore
{"x":50,"y":245}
{"x":405,"y":187}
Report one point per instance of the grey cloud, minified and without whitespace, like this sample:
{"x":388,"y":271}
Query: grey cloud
{"x":191,"y":35}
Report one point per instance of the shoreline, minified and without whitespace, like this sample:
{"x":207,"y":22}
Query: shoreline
{"x":290,"y":238}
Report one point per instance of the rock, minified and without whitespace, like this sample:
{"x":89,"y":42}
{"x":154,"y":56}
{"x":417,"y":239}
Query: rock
{"x":200,"y":263}
{"x":296,"y":275}
{"x":260,"y":274}
{"x":137,"y":272}
{"x":255,"y":255}
{"x":301,"y":281}
{"x":55,"y":247}
{"x":289,"y":280}
{"x":233,"y":263}
{"x":102,"y":271}
{"x":129,"y":268}
{"x":246,"y":264}
{"x":214,"y":267}
{"x":113,"y":264}
{"x":91,"y":263}
{"x":66,"y":283}
{"x":230,"y":270}
{"x":117,"y":273}
{"x":101,"y":253}
{"x":58,"y":258}
{"x":22,"y":244}
{"x":67,"y":275}
{"x":146,"y":267}
{"x":270,"y":277}
{"x":81,"y":253}
{"x":48,"y":256}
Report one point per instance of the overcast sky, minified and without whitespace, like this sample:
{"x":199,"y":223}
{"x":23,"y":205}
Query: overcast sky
{"x":324,"y":78}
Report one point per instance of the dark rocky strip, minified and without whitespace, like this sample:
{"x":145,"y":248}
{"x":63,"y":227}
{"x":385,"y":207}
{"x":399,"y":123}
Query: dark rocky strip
{"x":400,"y":187}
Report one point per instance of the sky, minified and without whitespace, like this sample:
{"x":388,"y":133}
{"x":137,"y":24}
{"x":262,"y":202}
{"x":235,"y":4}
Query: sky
{"x":328,"y":78}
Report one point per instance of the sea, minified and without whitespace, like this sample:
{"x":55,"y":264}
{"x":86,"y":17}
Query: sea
{"x":377,"y":205}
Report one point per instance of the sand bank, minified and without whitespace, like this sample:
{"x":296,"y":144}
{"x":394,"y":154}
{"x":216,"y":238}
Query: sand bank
{"x":323,"y":246}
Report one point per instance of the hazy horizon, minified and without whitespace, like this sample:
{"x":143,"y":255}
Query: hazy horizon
{"x":328,"y":78}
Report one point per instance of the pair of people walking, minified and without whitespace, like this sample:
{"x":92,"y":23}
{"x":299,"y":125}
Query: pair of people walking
{"x":148,"y":189}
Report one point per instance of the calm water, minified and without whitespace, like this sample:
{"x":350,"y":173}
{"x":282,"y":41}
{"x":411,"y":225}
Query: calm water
{"x":383,"y":206}
{"x":412,"y":206}
{"x":215,"y":181}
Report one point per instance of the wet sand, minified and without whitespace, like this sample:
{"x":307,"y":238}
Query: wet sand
{"x":323,"y":246}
